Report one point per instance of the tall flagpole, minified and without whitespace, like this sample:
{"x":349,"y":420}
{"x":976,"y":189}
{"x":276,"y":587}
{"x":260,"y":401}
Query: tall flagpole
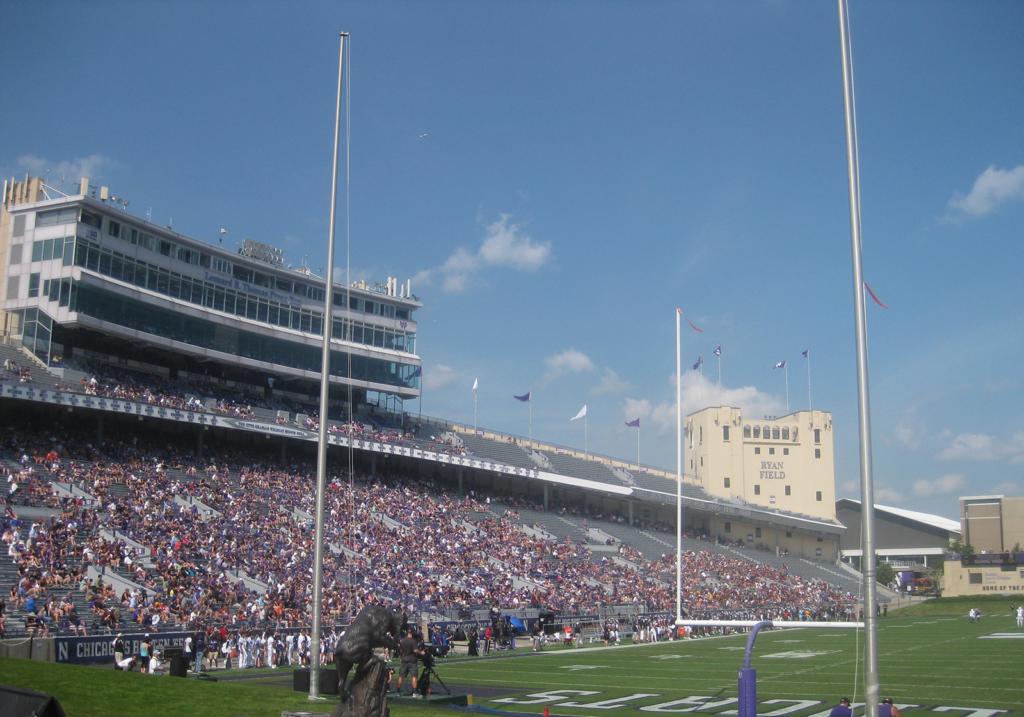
{"x":871,"y":679}
{"x":810,"y":404}
{"x":785,"y":367}
{"x":325,"y":380}
{"x":531,"y":416}
{"x":476,"y":383}
{"x":585,"y":434}
{"x":638,"y":447}
{"x":679,"y":478}
{"x":718,"y":352}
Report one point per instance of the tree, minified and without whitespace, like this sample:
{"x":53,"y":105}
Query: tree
{"x":885,"y":574}
{"x":960,"y":548}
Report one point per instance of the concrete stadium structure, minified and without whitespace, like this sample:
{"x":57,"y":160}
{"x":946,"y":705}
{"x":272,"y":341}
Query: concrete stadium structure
{"x":88,"y":282}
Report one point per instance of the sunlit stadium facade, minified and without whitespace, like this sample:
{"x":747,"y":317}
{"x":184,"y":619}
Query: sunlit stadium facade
{"x":90,"y":283}
{"x":85,"y":278}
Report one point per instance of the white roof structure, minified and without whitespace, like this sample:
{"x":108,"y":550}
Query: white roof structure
{"x":936,"y":521}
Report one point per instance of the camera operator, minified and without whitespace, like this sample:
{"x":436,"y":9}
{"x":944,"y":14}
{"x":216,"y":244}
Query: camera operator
{"x":409,"y":651}
{"x":426,"y":654}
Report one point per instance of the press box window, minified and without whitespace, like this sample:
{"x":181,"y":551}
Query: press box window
{"x":57,"y":216}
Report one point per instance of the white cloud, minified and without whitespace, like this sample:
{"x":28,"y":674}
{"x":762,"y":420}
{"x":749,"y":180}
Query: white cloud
{"x":697,"y":393}
{"x":981,"y":447}
{"x":610,"y":383}
{"x":569,"y":361}
{"x":851,"y":488}
{"x":438,"y":376}
{"x":72,"y":170}
{"x":948,"y":483}
{"x":911,"y":430}
{"x":887,"y":495}
{"x":504,"y":245}
{"x":1007,"y":487}
{"x":991,"y":188}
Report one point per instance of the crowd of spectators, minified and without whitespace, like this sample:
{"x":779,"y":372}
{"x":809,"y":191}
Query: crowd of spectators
{"x":144,"y":387}
{"x":13,"y":372}
{"x":229,"y":540}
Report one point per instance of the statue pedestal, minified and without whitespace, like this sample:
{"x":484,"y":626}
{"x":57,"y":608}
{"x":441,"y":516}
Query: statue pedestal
{"x":369,"y":696}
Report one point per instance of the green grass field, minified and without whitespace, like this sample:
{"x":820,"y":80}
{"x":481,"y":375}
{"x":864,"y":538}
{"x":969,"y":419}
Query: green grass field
{"x":927,"y":663}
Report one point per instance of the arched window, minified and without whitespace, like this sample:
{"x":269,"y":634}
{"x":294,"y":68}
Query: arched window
{"x":785,"y":434}
{"x":767,"y":432}
{"x":775,"y":433}
{"x":757,"y":431}
{"x":746,"y":431}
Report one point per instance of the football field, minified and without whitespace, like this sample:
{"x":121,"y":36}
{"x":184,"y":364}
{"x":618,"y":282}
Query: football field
{"x":936,"y":664}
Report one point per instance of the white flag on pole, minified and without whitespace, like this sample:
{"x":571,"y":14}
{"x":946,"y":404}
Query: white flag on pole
{"x":476,"y":384}
{"x":581,"y":414}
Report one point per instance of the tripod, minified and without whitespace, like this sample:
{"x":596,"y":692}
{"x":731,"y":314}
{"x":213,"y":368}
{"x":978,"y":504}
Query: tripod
{"x":423,"y":685}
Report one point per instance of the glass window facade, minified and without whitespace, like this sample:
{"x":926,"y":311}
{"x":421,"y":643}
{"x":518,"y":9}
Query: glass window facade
{"x":116,"y":265}
{"x":136,"y":315}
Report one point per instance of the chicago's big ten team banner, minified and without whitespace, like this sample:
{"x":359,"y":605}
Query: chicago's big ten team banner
{"x":100,"y":648}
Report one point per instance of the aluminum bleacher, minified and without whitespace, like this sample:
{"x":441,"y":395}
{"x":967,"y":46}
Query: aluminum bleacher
{"x":23,"y":360}
{"x":501,"y":451}
{"x":594,"y":470}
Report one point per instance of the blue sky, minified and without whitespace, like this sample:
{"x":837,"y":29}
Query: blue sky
{"x":586,"y":168}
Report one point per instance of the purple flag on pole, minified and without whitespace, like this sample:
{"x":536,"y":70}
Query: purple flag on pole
{"x":633,"y":424}
{"x":806,"y":353}
{"x":780,"y":364}
{"x":700,"y":360}
{"x":524,"y":398}
{"x":718,"y":351}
